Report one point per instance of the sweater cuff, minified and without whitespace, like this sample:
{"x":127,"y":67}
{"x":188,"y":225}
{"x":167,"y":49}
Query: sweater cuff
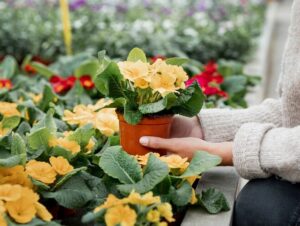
{"x":246,"y":150}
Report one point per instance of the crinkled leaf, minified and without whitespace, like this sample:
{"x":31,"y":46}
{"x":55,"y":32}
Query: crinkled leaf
{"x":39,"y":138}
{"x":59,"y":151}
{"x":154,"y":173}
{"x":213,"y":201}
{"x":10,"y":161}
{"x":201,"y":162}
{"x":181,"y":196}
{"x":89,"y":67}
{"x":177,"y":61}
{"x":118,"y":164}
{"x":18,"y":147}
{"x":8,"y":67}
{"x":132,"y":115}
{"x":48,"y":122}
{"x":11,"y":122}
{"x":48,"y":97}
{"x":152,"y":107}
{"x":82,"y":135}
{"x":137,"y":54}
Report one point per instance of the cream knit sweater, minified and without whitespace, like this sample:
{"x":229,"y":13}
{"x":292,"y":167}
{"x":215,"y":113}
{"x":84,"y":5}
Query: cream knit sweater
{"x":266,"y":137}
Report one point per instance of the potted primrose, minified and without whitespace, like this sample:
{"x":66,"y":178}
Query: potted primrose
{"x":147,"y":96}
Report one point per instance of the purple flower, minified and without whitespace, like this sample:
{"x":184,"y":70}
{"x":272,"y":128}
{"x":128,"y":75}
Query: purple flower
{"x":121,"y":8}
{"x":76,"y":4}
{"x":201,"y":6}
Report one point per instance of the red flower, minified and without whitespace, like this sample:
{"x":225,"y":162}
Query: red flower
{"x":61,"y":85}
{"x":87,"y":82}
{"x":55,"y":79}
{"x":155,"y":58}
{"x":209,"y":80}
{"x":29,"y":69}
{"x":5,"y":83}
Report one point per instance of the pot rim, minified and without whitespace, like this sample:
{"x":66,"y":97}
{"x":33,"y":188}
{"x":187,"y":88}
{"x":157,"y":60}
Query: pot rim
{"x":150,"y":120}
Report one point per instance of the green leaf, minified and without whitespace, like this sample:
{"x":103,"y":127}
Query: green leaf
{"x":169,"y":100}
{"x":109,"y":83}
{"x":213,"y":201}
{"x":11,"y":122}
{"x":91,"y":216}
{"x":48,"y":97}
{"x":118,"y":164}
{"x":118,"y":103}
{"x":74,"y":193}
{"x":59,"y":151}
{"x":89,"y":67}
{"x":190,"y":102}
{"x":177,"y":61}
{"x":137,"y":54}
{"x":10,"y":161}
{"x":152,"y":107}
{"x":66,"y":177}
{"x":154,"y":173}
{"x":131,"y":114}
{"x":39,"y":138}
{"x":43,"y":70}
{"x":201,"y":162}
{"x":8,"y":67}
{"x":182,"y":195}
{"x":18,"y":147}
{"x":103,"y":61}
{"x":48,"y":122}
{"x":40,"y":184}
{"x":82,"y":135}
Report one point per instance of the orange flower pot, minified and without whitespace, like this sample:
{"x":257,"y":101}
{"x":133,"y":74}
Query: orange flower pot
{"x":158,"y":126}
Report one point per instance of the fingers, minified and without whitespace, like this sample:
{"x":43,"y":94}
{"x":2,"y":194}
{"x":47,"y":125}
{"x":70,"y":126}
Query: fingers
{"x":155,"y":142}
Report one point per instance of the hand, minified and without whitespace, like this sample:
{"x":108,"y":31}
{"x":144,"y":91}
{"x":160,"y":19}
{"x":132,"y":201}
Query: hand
{"x":186,"y":147}
{"x":186,"y":127}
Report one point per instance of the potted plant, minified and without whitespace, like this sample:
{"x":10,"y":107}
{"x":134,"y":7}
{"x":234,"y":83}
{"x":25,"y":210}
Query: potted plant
{"x":146,"y":96}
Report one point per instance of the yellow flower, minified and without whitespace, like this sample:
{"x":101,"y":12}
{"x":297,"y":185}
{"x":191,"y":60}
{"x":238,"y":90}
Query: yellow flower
{"x":192,"y":179}
{"x":42,"y":212}
{"x":10,"y":192}
{"x":90,"y":145}
{"x":143,"y":159}
{"x":23,"y":209}
{"x":122,"y":215}
{"x":175,"y":161}
{"x":163,"y":223}
{"x":2,"y":220}
{"x":4,"y":131}
{"x":110,"y":202}
{"x":144,"y":200}
{"x":163,"y":83}
{"x":60,"y":165}
{"x":63,"y":142}
{"x":15,"y":175}
{"x":41,"y":171}
{"x":153,"y":216}
{"x":9,"y":109}
{"x":134,"y":70}
{"x":105,"y":120}
{"x":142,"y":82}
{"x":165,"y":211}
{"x":181,"y":76}
{"x":2,"y":208}
{"x":36,"y":97}
{"x":193,"y":197}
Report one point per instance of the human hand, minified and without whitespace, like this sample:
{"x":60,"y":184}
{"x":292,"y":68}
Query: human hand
{"x":186,"y":127}
{"x":186,"y":147}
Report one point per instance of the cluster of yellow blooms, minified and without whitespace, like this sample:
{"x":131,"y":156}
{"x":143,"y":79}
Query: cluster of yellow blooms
{"x":159,"y":76}
{"x":118,"y":211}
{"x":177,"y":166}
{"x":45,"y":172}
{"x":17,"y":198}
{"x":105,"y":120}
{"x":68,"y":144}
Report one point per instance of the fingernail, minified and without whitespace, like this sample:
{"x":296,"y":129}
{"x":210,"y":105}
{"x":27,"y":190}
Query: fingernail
{"x":144,"y":141}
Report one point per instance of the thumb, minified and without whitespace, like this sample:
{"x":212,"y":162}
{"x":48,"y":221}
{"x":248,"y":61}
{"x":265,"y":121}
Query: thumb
{"x":155,"y":142}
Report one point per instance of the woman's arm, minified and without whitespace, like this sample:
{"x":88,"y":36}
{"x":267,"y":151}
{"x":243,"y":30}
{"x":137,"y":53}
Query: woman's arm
{"x":219,"y":125}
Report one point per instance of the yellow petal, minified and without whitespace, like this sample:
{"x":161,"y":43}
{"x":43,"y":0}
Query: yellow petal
{"x":122,"y":215}
{"x":41,"y":171}
{"x":42,"y":212}
{"x":10,"y":192}
{"x":60,"y":165}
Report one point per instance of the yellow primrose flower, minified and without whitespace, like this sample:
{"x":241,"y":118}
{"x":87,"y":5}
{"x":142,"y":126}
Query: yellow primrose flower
{"x":175,"y":161}
{"x":153,"y":216}
{"x":90,"y":145}
{"x":42,"y":212}
{"x":60,"y":165}
{"x":36,"y":97}
{"x":23,"y":209}
{"x":144,"y":200}
{"x":165,"y":211}
{"x":2,"y":220}
{"x":122,"y":215}
{"x":110,"y":202}
{"x":41,"y":171}
{"x":134,"y":70}
{"x":194,"y":199}
{"x":163,"y":83}
{"x":105,"y":120}
{"x":9,"y":109}
{"x":63,"y":142}
{"x":10,"y":192}
{"x":181,"y":76}
{"x":192,"y":179}
{"x":15,"y":175}
{"x":143,"y":159}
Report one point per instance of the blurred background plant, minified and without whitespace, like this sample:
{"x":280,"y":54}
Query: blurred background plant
{"x":200,"y":29}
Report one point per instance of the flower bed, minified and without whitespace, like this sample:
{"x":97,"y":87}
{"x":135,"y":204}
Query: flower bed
{"x":60,"y":157}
